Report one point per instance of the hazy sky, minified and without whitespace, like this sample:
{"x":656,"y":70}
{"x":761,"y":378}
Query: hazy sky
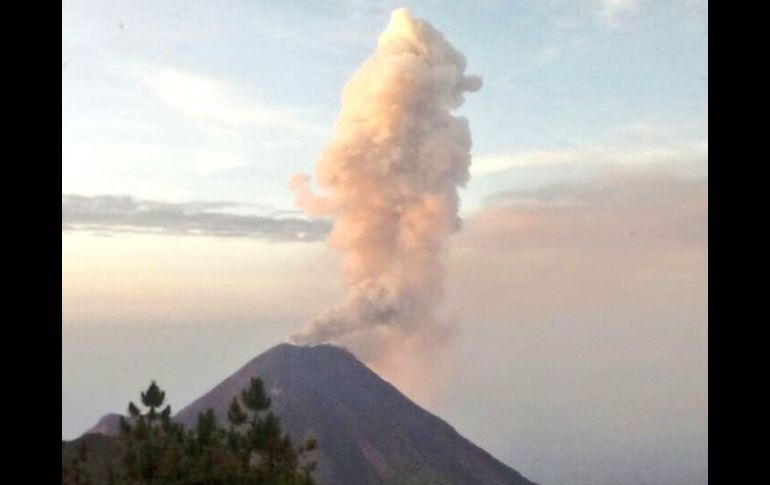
{"x":579,"y":280}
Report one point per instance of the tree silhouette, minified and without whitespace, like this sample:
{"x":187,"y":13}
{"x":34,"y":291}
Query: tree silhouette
{"x":76,"y":472}
{"x":152,"y":442}
{"x":254,"y":450}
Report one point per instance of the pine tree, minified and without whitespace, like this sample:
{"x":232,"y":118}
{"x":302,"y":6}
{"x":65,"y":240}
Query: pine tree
{"x":254,"y":450}
{"x":255,"y":398}
{"x":268,"y":452}
{"x":235,"y":414}
{"x":150,"y":440}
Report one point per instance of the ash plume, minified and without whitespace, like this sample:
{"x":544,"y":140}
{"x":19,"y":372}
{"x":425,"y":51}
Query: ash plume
{"x":389,"y":179}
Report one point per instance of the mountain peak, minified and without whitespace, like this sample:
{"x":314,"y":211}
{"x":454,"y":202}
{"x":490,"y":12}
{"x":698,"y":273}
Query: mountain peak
{"x":367,"y":431}
{"x":108,"y":425}
{"x":292,"y":351}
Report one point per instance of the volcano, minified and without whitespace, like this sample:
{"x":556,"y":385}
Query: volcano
{"x":368,"y":432}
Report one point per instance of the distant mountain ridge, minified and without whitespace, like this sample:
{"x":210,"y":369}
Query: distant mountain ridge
{"x":108,"y":425}
{"x":368,"y":432}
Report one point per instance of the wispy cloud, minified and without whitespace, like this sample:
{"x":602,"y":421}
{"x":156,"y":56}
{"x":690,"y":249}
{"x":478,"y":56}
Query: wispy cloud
{"x":214,"y":100}
{"x":618,"y":14}
{"x":108,"y":214}
{"x":227,"y":118}
{"x":614,"y":12}
{"x":676,"y":153}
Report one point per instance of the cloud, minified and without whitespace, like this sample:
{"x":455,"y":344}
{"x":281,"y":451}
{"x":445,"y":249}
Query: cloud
{"x":617,"y":14}
{"x":601,"y":213}
{"x":680,"y":154}
{"x":614,"y":12}
{"x":487,"y":164}
{"x":229,"y":119}
{"x":108,"y":214}
{"x":626,"y":240}
{"x":213,"y":100}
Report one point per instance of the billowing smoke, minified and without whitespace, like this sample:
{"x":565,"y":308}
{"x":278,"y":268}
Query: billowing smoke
{"x":389,"y":178}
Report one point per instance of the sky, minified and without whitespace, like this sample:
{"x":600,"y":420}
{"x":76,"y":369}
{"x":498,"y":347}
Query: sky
{"x":578,"y":281}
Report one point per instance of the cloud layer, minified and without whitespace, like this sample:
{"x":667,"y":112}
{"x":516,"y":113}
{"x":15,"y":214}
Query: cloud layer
{"x":623,"y":240}
{"x":109,"y":214}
